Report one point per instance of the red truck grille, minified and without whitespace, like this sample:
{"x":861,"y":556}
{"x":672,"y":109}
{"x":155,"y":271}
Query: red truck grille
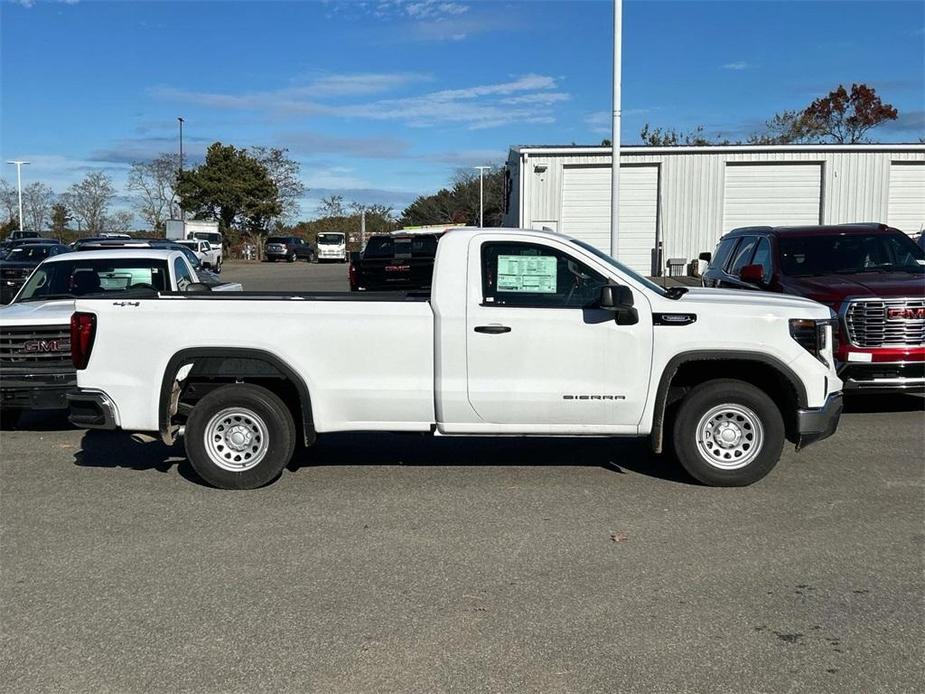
{"x":886,"y":322}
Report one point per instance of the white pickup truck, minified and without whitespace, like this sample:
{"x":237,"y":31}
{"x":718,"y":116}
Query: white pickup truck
{"x":210,"y":258}
{"x":524,"y":333}
{"x":36,"y":372}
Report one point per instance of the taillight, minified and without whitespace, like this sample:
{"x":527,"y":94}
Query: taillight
{"x":83,"y":331}
{"x":352,"y":276}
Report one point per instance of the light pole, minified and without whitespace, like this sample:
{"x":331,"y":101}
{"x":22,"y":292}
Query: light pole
{"x":481,"y":193}
{"x":615,"y":137}
{"x":19,"y":165}
{"x":180,"y":173}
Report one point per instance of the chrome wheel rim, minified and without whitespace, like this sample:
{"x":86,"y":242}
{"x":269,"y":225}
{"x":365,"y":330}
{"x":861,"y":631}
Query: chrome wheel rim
{"x":236,"y":439}
{"x":729,"y":436}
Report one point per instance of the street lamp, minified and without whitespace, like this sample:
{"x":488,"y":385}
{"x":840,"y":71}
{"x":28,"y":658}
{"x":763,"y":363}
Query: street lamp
{"x":19,"y":165}
{"x":481,"y":193}
{"x":180,"y":173}
{"x":615,"y":137}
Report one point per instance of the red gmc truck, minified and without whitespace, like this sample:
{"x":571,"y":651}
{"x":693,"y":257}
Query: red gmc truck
{"x":871,"y":275}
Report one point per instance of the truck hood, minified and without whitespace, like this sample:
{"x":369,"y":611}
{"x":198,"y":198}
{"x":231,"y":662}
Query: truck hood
{"x":782,"y":304}
{"x":54,"y":312}
{"x":833,"y":289}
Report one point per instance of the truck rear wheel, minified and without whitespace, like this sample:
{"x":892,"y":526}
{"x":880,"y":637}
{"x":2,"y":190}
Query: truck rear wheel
{"x":728,"y":433}
{"x":239,"y":437}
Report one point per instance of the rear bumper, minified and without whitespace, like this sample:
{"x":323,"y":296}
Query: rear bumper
{"x":91,"y":409}
{"x":818,"y":423}
{"x":883,"y":377}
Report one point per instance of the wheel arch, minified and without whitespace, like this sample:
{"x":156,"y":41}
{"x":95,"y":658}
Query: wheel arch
{"x":688,"y":369}
{"x":276,"y":368}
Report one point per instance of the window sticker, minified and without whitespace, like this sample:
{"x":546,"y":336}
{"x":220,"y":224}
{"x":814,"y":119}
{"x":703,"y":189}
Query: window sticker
{"x":527,"y":273}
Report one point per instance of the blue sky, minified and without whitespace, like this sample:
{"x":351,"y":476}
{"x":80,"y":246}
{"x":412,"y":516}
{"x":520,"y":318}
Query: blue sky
{"x":383,"y":100}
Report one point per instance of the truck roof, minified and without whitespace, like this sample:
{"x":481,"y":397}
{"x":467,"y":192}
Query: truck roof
{"x":121,"y":252}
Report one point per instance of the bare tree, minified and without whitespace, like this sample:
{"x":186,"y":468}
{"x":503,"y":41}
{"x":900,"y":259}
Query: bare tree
{"x":332,"y":206}
{"x":118,"y":222}
{"x":37,"y":199}
{"x":9,"y":200}
{"x":89,"y":200}
{"x":154,"y":184}
{"x":284,"y":172}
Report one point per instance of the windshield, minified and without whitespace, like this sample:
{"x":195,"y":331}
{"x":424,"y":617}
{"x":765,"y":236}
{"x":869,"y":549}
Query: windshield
{"x":849,"y":254}
{"x":27,"y":252}
{"x":331,"y":239}
{"x":401,"y":247}
{"x":73,"y":278}
{"x":212,"y":237}
{"x":278,"y":239}
{"x":645,"y":281}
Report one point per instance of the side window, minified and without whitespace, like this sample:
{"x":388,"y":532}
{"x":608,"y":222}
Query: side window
{"x":184,"y":279}
{"x":532,"y":275}
{"x":743,"y":254}
{"x":763,"y":258}
{"x":722,"y":253}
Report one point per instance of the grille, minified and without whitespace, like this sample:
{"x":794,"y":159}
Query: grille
{"x":42,"y":347}
{"x":869,"y":325}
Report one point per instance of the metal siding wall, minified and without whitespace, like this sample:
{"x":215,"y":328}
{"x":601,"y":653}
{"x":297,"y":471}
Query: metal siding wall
{"x":855,"y":188}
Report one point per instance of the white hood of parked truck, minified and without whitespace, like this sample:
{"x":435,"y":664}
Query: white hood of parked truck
{"x":54,"y":312}
{"x":786,"y":304}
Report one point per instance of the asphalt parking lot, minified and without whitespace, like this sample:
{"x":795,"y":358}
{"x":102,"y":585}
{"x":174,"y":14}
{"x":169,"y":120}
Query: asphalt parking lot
{"x":403,"y":563}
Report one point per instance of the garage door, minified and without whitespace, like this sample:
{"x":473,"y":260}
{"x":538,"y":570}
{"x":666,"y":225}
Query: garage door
{"x":906,"y":206}
{"x":586,"y":211}
{"x":772,"y":195}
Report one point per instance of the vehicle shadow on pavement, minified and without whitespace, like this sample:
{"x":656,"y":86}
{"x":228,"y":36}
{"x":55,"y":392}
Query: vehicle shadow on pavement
{"x":617,"y":455}
{"x":112,"y":449}
{"x":872,"y":404}
{"x":116,"y":449}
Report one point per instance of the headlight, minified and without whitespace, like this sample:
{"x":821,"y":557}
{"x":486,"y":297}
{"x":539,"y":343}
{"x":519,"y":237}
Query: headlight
{"x":815,"y":336}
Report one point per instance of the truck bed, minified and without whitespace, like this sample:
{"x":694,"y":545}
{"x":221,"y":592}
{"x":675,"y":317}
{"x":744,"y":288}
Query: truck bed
{"x":368,"y":360}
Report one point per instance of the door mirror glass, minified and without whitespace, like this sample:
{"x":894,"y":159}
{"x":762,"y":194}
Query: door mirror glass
{"x":707,"y":257}
{"x":752,"y":274}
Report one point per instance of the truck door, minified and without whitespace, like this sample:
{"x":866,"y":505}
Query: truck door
{"x":539,"y":352}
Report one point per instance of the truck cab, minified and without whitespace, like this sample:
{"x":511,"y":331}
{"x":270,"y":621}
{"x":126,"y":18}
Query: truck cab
{"x":331,"y":245}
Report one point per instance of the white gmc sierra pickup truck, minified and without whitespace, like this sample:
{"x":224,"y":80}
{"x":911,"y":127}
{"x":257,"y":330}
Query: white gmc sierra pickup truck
{"x":524,"y":333}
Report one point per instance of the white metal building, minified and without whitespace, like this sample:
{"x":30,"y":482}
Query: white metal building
{"x":686,"y":197}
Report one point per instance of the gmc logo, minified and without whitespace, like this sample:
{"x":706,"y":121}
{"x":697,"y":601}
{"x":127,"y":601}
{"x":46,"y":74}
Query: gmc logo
{"x":906,"y":313}
{"x":39,"y":346}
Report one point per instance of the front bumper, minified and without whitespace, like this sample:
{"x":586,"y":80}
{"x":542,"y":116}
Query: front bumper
{"x":818,"y":423}
{"x":91,"y":409}
{"x":36,"y":391}
{"x":883,"y":377}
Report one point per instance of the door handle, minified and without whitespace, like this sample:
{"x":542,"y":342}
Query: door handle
{"x":492,"y":329}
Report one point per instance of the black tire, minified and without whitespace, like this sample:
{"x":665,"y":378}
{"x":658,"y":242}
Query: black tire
{"x":9,"y":417}
{"x":279,"y":443}
{"x":713,"y":461}
{"x":291,"y":257}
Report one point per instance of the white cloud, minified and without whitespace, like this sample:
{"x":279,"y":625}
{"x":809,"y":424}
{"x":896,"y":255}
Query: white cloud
{"x":738,"y":65}
{"x":479,"y":106}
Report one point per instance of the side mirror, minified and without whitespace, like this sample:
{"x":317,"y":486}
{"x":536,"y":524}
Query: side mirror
{"x":753,"y":274}
{"x":705,"y":257}
{"x":196,"y":287}
{"x":619,"y":299}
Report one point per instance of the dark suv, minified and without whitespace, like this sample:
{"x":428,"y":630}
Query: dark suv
{"x":871,"y":275}
{"x":289,"y":248}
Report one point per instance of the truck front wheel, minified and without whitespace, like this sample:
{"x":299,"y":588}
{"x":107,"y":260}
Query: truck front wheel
{"x":728,"y":433}
{"x":239,"y":437}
